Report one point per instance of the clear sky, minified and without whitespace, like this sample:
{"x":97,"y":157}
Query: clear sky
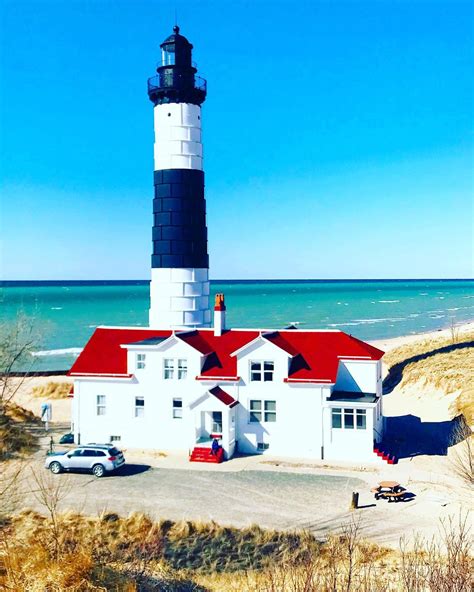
{"x":337,"y":136}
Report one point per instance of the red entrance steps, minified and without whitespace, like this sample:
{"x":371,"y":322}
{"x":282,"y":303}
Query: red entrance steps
{"x":204,"y":454}
{"x":390,"y":459}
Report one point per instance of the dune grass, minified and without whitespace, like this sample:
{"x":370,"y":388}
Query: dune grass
{"x":115,"y":553}
{"x":15,"y":436}
{"x":446,"y":363}
{"x":52,"y":390}
{"x":71,"y":552}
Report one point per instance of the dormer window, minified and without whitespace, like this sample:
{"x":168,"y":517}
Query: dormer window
{"x":168,"y":369}
{"x":141,"y":361}
{"x":261,"y":371}
{"x":182,"y":369}
{"x":173,"y":368}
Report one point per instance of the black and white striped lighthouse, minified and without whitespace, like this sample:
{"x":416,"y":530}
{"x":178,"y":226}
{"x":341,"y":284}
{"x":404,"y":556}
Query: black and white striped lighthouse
{"x":179,"y":289}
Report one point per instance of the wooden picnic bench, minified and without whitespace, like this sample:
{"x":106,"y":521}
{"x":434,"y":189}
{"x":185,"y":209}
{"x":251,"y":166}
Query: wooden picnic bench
{"x":390,"y":490}
{"x":392,"y":496}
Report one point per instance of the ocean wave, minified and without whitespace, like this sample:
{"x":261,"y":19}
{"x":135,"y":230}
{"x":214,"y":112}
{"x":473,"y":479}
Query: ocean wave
{"x":373,"y":321}
{"x":56,"y":308}
{"x":437,"y":316}
{"x":68,"y":351}
{"x":387,"y":301}
{"x":423,"y":294}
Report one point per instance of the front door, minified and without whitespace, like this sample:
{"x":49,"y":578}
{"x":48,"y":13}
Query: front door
{"x":217,"y":422}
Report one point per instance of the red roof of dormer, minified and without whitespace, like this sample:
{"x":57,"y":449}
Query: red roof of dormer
{"x":315,"y":355}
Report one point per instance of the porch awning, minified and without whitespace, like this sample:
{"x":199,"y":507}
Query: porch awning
{"x":223,"y":396}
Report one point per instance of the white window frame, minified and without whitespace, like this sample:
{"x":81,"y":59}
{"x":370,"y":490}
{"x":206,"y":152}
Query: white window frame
{"x":182,"y":368}
{"x":262,"y":411}
{"x":140,"y":361}
{"x":168,"y":368}
{"x":101,"y":405}
{"x":349,"y":412}
{"x":261,"y":371}
{"x":175,"y":368}
{"x":177,"y":409}
{"x":140,"y":409}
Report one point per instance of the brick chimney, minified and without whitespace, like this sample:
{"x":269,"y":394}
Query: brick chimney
{"x":219,"y":315}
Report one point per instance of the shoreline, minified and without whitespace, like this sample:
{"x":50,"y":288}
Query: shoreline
{"x":391,"y":343}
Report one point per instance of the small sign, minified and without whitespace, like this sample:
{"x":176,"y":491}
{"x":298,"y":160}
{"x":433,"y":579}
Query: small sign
{"x":46,"y":412}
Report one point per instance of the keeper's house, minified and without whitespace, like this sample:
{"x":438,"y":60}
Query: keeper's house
{"x":293,"y":393}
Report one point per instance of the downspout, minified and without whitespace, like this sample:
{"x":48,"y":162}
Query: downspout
{"x":322,"y":425}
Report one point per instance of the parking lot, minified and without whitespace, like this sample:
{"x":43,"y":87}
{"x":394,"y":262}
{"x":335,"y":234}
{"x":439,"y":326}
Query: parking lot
{"x":272,"y":499}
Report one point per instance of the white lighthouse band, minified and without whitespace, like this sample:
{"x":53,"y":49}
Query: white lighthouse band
{"x":179,"y":289}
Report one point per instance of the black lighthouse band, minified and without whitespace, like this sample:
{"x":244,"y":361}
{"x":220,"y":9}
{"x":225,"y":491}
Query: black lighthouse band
{"x":179,"y":219}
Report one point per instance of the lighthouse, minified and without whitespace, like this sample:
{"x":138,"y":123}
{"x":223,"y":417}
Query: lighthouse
{"x":179,"y":288}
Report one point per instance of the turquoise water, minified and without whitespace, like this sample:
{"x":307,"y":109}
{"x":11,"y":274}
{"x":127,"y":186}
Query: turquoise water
{"x":66,"y":314}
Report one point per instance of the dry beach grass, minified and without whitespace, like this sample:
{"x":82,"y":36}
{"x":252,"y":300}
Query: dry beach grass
{"x":52,"y":390}
{"x":136,"y":554}
{"x":446,"y":363}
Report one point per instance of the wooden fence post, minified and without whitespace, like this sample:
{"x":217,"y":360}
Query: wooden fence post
{"x":354,"y":500}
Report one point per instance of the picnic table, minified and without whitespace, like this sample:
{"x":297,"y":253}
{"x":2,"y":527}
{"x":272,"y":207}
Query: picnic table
{"x":391,"y":490}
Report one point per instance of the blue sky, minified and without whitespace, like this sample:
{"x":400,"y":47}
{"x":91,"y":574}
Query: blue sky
{"x":337,"y":136}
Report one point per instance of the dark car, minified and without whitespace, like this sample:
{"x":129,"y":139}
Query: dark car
{"x":67,"y":439}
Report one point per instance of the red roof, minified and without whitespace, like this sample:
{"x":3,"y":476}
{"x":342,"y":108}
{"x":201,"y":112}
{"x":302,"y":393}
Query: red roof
{"x":314,"y":355}
{"x":103,"y":354}
{"x":223,"y":396}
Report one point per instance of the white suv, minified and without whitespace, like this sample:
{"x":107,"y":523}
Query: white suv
{"x":95,"y":458}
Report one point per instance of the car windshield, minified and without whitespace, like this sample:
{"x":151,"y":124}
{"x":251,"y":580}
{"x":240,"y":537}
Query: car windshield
{"x":114,"y":451}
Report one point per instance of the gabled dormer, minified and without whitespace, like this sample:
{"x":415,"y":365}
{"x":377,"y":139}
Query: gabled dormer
{"x":178,"y":356}
{"x":265,"y":359}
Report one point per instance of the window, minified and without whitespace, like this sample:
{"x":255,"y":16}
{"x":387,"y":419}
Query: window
{"x":261,"y":371}
{"x":139,"y":406}
{"x":348,"y":415}
{"x":168,"y":373}
{"x":262,"y":410}
{"x":115,"y":438}
{"x":263,"y":446}
{"x":177,"y":408}
{"x":100,"y":404}
{"x":182,"y":369}
{"x":141,"y":361}
{"x":270,"y":411}
{"x":348,"y":419}
{"x":361,"y":419}
{"x":170,"y":366}
{"x":255,"y":411}
{"x":336,"y":418}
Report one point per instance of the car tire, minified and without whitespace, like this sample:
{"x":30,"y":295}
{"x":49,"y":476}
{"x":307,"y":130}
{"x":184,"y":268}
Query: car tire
{"x":98,"y":470}
{"x":55,"y":467}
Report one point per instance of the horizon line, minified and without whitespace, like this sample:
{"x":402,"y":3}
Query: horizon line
{"x":6,"y":283}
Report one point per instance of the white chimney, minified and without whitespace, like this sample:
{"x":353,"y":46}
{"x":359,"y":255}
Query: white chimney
{"x":219,"y":315}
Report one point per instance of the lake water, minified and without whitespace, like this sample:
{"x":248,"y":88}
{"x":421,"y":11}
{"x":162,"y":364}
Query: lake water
{"x":66,"y":313}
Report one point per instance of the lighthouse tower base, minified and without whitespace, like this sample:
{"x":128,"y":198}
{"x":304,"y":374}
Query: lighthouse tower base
{"x":179,"y":298}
